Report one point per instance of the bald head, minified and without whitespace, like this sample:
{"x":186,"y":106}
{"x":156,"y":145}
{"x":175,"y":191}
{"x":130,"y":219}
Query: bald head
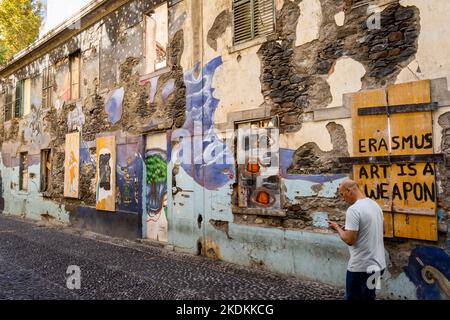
{"x":349,"y":184}
{"x":349,"y":190}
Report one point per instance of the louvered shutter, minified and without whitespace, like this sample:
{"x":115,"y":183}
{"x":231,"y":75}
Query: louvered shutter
{"x":263,"y":17}
{"x":252,"y":18}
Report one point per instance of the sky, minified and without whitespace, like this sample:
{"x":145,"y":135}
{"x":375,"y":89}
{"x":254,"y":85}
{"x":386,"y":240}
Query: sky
{"x":60,"y":10}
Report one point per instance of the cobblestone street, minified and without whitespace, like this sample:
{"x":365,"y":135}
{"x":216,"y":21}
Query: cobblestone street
{"x":34,"y":259}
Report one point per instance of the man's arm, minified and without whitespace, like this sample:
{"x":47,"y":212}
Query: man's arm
{"x":348,"y":236}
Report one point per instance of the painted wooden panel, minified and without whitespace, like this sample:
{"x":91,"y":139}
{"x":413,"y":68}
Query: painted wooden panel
{"x":388,"y":225}
{"x":156,"y":187}
{"x":371,"y":138}
{"x":414,"y":190}
{"x":415,"y":227}
{"x":412,"y":133}
{"x":106,"y":174}
{"x":370,"y":133}
{"x":374,"y":180}
{"x":72,"y":165}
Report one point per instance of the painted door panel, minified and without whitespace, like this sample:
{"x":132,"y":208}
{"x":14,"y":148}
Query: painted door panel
{"x":405,"y":191}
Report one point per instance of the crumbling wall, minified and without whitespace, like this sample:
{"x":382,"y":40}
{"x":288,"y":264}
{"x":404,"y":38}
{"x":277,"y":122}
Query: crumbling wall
{"x":113,"y":98}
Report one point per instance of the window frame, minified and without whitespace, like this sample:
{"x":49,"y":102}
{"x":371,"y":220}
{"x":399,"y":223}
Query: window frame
{"x":45,"y":183}
{"x":158,"y":47}
{"x":19,"y":99}
{"x":9,"y":103}
{"x":260,"y":123}
{"x":47,"y":86}
{"x":23,"y":171}
{"x":75,"y":60}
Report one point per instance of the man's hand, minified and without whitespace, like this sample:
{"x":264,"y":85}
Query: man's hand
{"x":335,"y":226}
{"x":349,"y":237}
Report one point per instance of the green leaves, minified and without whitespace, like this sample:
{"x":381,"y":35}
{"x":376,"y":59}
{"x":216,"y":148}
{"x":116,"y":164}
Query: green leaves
{"x":20,"y":21}
{"x":3,"y":52}
{"x":156,"y":169}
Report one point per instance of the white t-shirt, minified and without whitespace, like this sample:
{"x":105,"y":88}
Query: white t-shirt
{"x":366,"y":217}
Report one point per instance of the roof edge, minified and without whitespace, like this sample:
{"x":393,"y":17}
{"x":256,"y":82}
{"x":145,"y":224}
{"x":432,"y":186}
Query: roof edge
{"x":85,"y":18}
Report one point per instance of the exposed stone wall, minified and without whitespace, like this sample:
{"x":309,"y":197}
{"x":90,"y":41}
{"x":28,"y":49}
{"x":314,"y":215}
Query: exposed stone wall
{"x":444,"y":168}
{"x":309,"y":159}
{"x":294,"y":79}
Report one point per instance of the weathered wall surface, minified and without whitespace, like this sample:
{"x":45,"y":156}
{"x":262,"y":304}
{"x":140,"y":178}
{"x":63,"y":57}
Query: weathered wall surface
{"x":323,"y":51}
{"x":320,"y":51}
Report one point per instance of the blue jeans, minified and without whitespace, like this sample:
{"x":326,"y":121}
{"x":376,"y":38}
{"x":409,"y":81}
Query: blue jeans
{"x":356,"y":286}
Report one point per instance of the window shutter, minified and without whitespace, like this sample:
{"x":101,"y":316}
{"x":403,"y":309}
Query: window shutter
{"x":19,"y":100}
{"x":242,"y":15}
{"x":252,"y":18}
{"x":264,"y":17}
{"x":9,"y":103}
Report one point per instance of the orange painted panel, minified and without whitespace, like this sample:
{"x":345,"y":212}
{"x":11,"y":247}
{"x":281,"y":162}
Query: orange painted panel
{"x":415,"y":227}
{"x":388,"y":225}
{"x":106,"y":174}
{"x":370,"y":133}
{"x":413,"y":185}
{"x":411,"y":133}
{"x":374,"y":182}
{"x":413,"y":188}
{"x":72,"y":165}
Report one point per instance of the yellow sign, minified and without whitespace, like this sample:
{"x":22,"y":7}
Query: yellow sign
{"x":406,"y":190}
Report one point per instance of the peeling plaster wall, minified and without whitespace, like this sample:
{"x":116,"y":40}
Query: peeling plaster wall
{"x":325,"y":52}
{"x":241,"y":69}
{"x":309,"y":22}
{"x":114,"y":44}
{"x":431,"y":60}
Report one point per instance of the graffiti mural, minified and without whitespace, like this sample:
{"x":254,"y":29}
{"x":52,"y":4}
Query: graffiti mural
{"x":211,"y":162}
{"x":34,"y":132}
{"x":429,"y":270}
{"x":113,"y":106}
{"x":168,"y":89}
{"x":76,"y":118}
{"x":156,"y":187}
{"x":153,"y":88}
{"x":72,"y":165}
{"x":129,"y":173}
{"x":106,"y":174}
{"x":258,"y":165}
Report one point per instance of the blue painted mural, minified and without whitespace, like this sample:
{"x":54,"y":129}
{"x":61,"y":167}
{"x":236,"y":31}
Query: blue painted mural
{"x":113,"y":106}
{"x":429,"y":269}
{"x":168,"y":89}
{"x":211,"y":163}
{"x":128,"y":177}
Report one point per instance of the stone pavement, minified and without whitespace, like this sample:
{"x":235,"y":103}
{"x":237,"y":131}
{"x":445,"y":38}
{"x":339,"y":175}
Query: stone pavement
{"x":34,"y":259}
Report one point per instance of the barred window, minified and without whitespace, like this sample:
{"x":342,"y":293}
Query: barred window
{"x":75,"y":75}
{"x":18,"y":107}
{"x":252,"y":19}
{"x":156,"y":38}
{"x":47,"y":87}
{"x":8,"y":102}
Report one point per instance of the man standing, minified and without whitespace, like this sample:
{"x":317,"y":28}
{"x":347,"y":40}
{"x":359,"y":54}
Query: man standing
{"x":364,"y":234}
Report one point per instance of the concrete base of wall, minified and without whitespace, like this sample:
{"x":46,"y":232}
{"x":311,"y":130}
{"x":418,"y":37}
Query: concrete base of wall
{"x":114,"y":224}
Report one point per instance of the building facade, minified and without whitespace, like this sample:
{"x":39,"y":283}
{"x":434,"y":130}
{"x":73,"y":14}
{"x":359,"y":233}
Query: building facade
{"x":146,"y":119}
